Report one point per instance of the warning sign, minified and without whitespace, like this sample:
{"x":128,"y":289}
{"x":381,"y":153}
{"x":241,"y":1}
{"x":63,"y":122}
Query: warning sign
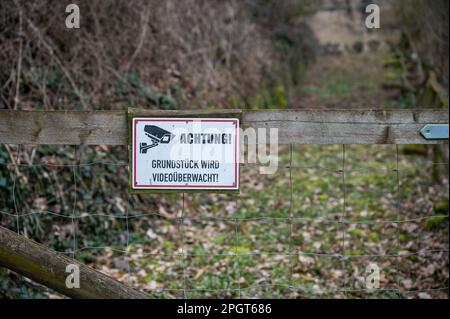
{"x":185,"y":153}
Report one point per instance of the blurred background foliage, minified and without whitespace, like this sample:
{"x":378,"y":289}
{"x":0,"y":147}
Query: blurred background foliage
{"x":163,"y":54}
{"x":254,"y":54}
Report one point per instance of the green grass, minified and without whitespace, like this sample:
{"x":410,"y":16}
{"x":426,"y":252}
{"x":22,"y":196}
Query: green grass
{"x":254,"y":255}
{"x":258,"y":261}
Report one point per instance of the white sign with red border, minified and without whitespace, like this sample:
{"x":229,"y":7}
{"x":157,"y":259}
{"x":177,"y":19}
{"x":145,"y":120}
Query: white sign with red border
{"x":184,"y":153}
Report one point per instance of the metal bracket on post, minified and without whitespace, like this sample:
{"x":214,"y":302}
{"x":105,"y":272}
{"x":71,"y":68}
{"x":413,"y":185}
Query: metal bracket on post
{"x":435,"y":131}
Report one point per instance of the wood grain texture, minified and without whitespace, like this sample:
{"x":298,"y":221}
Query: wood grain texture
{"x":63,"y":127}
{"x":47,"y":267}
{"x":294,"y":126}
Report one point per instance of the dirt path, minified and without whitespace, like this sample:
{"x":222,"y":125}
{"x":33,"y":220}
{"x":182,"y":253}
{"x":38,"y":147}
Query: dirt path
{"x":345,"y":81}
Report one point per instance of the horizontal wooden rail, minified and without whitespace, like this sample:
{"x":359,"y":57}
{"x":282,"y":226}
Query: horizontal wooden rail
{"x":48,"y":267}
{"x":294,"y":126}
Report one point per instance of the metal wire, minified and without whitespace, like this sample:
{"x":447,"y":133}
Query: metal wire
{"x":341,"y":220}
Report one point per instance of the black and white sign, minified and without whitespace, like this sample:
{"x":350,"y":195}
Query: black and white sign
{"x":185,"y":153}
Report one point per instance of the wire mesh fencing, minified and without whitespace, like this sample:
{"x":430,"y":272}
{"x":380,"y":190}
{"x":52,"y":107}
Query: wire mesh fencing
{"x":339,"y":221}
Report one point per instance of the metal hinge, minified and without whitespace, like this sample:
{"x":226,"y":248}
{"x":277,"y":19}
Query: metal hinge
{"x":435,"y":131}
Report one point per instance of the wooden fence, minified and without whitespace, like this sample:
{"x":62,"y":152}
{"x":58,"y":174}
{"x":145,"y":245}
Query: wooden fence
{"x":294,"y":126}
{"x":110,"y":128}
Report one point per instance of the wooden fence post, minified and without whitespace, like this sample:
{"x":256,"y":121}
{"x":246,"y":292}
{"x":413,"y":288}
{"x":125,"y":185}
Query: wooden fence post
{"x":48,"y":267}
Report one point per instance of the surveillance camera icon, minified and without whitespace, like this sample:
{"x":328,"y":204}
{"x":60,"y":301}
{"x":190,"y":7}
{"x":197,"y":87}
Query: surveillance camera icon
{"x":157,"y":136}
